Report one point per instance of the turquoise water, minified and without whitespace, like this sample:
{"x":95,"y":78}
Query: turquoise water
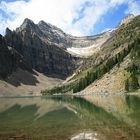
{"x":64,"y":118}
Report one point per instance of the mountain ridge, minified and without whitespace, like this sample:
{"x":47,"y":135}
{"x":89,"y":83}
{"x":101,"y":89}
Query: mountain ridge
{"x":48,"y":50}
{"x":120,"y":46}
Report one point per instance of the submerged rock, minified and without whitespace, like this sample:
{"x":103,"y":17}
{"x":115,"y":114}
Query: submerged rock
{"x":85,"y":136}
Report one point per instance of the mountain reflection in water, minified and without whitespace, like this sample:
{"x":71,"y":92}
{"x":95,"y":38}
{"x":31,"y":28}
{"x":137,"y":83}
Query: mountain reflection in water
{"x":75,"y":118}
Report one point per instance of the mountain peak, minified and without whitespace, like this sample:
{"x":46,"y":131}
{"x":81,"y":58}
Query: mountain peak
{"x":42,"y":22}
{"x":27,"y":23}
{"x":45,"y":25}
{"x":27,"y":20}
{"x":51,"y":31}
{"x":126,"y":19}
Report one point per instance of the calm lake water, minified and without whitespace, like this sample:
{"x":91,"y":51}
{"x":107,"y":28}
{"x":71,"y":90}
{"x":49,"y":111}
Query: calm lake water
{"x":70,"y":118}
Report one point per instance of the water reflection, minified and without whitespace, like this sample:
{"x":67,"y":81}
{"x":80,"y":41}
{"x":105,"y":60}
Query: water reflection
{"x":62,"y":118}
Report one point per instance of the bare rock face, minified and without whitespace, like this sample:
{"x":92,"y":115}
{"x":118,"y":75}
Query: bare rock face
{"x":54,"y":34}
{"x":10,"y":59}
{"x":5,"y":59}
{"x":33,"y":43}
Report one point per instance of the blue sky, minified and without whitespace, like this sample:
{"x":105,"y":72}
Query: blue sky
{"x":76,"y":17}
{"x":111,"y":19}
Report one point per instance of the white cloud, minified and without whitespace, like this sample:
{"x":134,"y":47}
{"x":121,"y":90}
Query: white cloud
{"x":134,"y":7}
{"x":60,"y":13}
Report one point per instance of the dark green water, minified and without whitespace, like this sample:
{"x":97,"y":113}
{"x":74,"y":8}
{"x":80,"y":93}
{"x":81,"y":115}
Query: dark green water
{"x":61,"y":118}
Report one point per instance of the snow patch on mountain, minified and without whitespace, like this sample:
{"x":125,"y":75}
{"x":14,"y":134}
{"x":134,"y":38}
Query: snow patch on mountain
{"x":83,"y":52}
{"x":90,"y":47}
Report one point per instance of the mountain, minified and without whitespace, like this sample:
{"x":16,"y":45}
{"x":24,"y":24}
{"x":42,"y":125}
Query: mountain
{"x":30,"y":63}
{"x":35,"y":57}
{"x":16,"y":75}
{"x":34,"y":44}
{"x":45,"y":31}
{"x":49,"y":50}
{"x":114,"y":68}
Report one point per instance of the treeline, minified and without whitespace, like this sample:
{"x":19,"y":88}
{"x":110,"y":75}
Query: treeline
{"x":59,"y":89}
{"x":102,"y":69}
{"x":132,"y":83}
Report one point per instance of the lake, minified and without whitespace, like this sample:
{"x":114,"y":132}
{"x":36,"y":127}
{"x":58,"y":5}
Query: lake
{"x":70,"y":118}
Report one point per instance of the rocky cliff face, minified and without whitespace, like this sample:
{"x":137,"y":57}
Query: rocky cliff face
{"x":10,"y":59}
{"x":33,"y":42}
{"x":5,"y":59}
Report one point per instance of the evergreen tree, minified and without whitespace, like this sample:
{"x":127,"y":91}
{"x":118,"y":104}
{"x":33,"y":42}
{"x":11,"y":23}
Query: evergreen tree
{"x":134,"y":82}
{"x":127,"y":85}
